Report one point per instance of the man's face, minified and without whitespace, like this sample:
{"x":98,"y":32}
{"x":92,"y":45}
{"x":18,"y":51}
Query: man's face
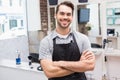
{"x":64,"y":16}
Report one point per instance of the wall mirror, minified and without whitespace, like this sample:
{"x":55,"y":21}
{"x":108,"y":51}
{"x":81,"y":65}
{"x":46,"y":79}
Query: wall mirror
{"x":94,"y":25}
{"x":12,"y":19}
{"x":13,"y":28}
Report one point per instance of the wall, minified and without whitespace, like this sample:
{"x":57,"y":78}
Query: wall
{"x":10,"y":71}
{"x":44,"y":14}
{"x":37,"y":23}
{"x":33,"y":15}
{"x":9,"y":47}
{"x":112,"y":65}
{"x":97,"y":73}
{"x":34,"y":40}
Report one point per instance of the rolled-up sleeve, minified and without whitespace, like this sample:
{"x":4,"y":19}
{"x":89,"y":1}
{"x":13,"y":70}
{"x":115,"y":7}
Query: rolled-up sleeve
{"x":44,"y":50}
{"x":83,"y":42}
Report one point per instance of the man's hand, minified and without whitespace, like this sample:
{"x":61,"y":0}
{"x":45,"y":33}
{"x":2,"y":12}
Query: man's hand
{"x":51,"y":70}
{"x":87,"y":55}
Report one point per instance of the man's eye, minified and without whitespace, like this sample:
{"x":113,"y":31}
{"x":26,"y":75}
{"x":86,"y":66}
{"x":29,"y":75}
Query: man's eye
{"x":69,"y":14}
{"x":62,"y":13}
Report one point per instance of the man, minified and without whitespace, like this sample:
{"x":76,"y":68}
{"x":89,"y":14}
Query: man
{"x":64,"y":54}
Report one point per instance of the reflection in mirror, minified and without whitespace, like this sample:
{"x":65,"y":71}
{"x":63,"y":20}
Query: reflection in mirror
{"x":91,"y":27}
{"x":94,"y":22}
{"x":94,"y":28}
{"x":13,"y":29}
{"x":12,"y":19}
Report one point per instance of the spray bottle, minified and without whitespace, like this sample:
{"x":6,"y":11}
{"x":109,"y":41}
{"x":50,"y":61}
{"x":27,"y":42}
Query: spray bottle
{"x":18,"y":58}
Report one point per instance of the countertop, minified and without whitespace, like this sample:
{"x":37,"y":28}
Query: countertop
{"x":10,"y":71}
{"x":22,"y":66}
{"x":106,"y":52}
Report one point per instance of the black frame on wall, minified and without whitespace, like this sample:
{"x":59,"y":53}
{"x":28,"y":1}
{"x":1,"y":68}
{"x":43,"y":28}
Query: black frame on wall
{"x":82,"y":1}
{"x":53,"y":2}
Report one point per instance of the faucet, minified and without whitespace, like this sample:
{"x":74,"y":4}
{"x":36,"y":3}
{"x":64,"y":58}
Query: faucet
{"x":106,"y":41}
{"x":30,"y":61}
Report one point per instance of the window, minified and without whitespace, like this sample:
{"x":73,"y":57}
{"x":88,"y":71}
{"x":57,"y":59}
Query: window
{"x":12,"y":23}
{"x":21,"y":22}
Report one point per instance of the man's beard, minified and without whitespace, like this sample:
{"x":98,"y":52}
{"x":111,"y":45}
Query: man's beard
{"x":63,"y":27}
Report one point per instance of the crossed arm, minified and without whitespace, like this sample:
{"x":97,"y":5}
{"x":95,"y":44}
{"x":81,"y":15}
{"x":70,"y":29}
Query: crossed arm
{"x":63,"y":68}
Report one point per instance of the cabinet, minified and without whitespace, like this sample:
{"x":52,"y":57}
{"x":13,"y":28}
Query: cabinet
{"x":10,"y":71}
{"x":113,"y":16}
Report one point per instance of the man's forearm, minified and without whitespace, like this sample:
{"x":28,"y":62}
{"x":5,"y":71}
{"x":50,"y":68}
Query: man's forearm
{"x":52,"y":70}
{"x":86,"y":63}
{"x":77,"y":66}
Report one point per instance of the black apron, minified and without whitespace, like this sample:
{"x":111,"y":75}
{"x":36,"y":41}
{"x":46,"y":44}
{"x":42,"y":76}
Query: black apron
{"x":67,"y":52}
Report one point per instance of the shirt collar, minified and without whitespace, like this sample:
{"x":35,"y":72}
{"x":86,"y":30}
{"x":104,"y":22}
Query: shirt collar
{"x":55,"y":34}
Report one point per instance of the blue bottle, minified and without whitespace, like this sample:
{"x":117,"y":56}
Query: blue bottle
{"x":18,"y":59}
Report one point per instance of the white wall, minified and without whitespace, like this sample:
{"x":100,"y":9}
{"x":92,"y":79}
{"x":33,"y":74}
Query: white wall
{"x":113,"y":66}
{"x":10,"y":71}
{"x":94,"y":21}
{"x":33,"y":15}
{"x":9,"y":47}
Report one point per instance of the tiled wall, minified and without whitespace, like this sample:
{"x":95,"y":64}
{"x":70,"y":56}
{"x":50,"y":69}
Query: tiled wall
{"x":44,"y":14}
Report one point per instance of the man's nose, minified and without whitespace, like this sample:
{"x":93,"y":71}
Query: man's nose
{"x":65,"y":16}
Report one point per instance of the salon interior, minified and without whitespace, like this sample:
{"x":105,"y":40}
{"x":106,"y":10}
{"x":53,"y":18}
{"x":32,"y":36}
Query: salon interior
{"x":23,"y":23}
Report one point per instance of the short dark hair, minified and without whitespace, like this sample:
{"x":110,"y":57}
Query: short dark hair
{"x":67,"y":3}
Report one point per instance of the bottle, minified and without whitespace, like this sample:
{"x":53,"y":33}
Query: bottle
{"x":18,"y":58}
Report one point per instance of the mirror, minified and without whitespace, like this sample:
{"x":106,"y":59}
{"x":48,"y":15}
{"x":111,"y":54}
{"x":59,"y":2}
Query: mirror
{"x":12,"y":19}
{"x":94,"y":25}
{"x":13,"y":29}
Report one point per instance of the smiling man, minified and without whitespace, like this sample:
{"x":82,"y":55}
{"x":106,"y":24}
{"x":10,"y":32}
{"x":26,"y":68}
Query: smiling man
{"x":65,"y":54}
